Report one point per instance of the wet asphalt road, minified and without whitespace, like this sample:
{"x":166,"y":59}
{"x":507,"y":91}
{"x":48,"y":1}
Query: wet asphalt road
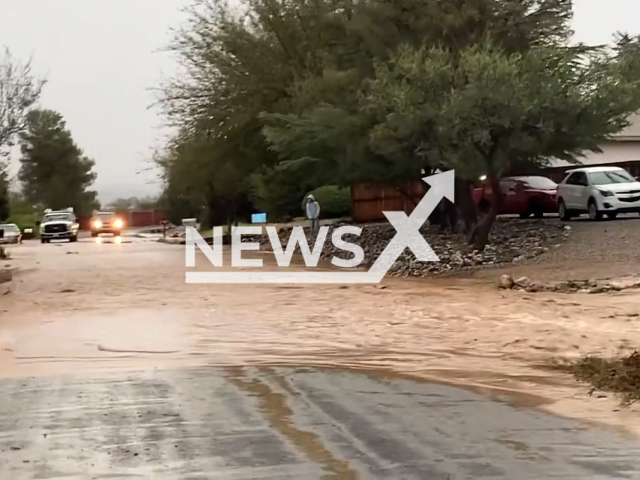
{"x":284,"y":423}
{"x":288,"y":423}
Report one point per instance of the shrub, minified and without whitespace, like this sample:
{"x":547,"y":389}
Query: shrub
{"x":335,"y":201}
{"x":27,"y":220}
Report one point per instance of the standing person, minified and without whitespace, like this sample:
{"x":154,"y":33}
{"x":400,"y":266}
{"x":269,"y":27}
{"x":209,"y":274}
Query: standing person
{"x":313,"y":214}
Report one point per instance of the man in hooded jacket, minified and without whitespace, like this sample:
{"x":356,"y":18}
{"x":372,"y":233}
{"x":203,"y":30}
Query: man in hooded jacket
{"x":313,"y":214}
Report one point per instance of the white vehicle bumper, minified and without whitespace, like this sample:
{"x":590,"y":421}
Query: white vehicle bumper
{"x":619,"y":203}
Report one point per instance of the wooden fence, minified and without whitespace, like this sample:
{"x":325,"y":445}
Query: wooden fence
{"x":369,"y":200}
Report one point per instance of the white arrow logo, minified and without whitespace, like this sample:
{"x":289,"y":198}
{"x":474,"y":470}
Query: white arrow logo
{"x":407,"y":236}
{"x":408,"y":228}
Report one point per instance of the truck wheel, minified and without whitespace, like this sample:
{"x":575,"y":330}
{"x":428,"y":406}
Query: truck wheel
{"x":42,"y":240}
{"x":73,"y":238}
{"x":94,"y":234}
{"x":117,"y":234}
{"x":525,"y":215}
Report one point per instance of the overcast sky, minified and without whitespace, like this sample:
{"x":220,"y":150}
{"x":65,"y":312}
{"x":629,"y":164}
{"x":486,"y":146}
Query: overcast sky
{"x":101,"y":57}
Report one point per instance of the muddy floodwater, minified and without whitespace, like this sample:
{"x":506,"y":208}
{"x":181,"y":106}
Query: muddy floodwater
{"x":100,"y":306}
{"x":99,"y":309}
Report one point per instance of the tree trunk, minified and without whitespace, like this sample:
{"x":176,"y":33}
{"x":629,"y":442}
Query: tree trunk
{"x":447,"y":216}
{"x":466,"y":206}
{"x":480,"y":235}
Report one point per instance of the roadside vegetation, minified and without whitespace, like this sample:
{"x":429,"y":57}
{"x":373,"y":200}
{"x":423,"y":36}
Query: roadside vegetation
{"x":54,"y":172}
{"x":618,"y":375}
{"x":276,"y":98}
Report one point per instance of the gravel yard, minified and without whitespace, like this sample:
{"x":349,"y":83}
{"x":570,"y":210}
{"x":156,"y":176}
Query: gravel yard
{"x":512,"y":241}
{"x":544,"y":249}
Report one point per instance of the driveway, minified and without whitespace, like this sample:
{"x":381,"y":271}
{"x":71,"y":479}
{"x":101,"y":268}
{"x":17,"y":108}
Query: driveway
{"x":112,"y":367}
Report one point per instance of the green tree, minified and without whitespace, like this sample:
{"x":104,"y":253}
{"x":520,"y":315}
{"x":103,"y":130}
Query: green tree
{"x":235,"y":66}
{"x":487,"y":110}
{"x":327,"y":132}
{"x":295,"y":71}
{"x":54,"y":173}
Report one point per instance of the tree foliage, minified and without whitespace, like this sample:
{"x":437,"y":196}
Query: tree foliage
{"x":278,"y":97}
{"x":54,"y":172}
{"x":335,"y":201}
{"x":490,"y":110}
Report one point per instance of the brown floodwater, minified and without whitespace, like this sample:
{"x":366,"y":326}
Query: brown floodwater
{"x":92,"y":307}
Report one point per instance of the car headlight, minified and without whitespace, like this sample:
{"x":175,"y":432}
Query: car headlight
{"x":97,"y":224}
{"x":605,"y":193}
{"x":118,"y":223}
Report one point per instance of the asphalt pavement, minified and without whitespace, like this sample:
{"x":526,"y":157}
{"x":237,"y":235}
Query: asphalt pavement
{"x":286,"y":423}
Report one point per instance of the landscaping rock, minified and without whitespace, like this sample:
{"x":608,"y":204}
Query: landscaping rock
{"x":506,"y":282}
{"x":564,"y":287}
{"x":511,"y":241}
{"x":534,"y":287}
{"x":569,"y":286}
{"x":618,"y":286}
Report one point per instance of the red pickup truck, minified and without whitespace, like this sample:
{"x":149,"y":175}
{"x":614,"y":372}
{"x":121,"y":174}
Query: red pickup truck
{"x":524,"y":196}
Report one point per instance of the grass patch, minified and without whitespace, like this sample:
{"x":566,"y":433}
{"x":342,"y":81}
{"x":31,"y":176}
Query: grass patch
{"x":618,"y":375}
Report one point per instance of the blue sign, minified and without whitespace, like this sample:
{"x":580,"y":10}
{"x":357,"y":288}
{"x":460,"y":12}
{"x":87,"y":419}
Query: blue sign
{"x":259,"y":218}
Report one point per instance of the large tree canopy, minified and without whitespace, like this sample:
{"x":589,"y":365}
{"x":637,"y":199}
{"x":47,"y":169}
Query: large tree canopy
{"x":296,"y":92}
{"x":54,"y":171}
{"x":489,"y":110}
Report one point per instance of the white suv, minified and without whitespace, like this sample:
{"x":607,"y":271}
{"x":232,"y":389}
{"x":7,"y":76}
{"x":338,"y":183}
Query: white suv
{"x":598,"y":191}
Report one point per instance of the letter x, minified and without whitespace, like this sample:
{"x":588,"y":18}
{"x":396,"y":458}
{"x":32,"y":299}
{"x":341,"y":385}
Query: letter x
{"x":408,"y":232}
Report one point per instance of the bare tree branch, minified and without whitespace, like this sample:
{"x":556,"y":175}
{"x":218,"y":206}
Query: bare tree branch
{"x":19,"y":92}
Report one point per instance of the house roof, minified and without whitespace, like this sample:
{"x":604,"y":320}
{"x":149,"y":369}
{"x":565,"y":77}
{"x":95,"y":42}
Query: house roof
{"x":632,"y":132}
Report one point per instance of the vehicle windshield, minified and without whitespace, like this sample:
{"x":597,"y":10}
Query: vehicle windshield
{"x":542,"y":183}
{"x":58,"y":217}
{"x":613,"y":176}
{"x":9,"y":228}
{"x":105,"y":216}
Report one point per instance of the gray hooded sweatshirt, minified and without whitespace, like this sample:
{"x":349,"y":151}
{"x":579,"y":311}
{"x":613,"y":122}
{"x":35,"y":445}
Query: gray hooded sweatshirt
{"x":313,"y":208}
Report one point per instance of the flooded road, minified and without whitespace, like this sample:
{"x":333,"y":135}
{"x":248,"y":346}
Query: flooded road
{"x":112,"y":365}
